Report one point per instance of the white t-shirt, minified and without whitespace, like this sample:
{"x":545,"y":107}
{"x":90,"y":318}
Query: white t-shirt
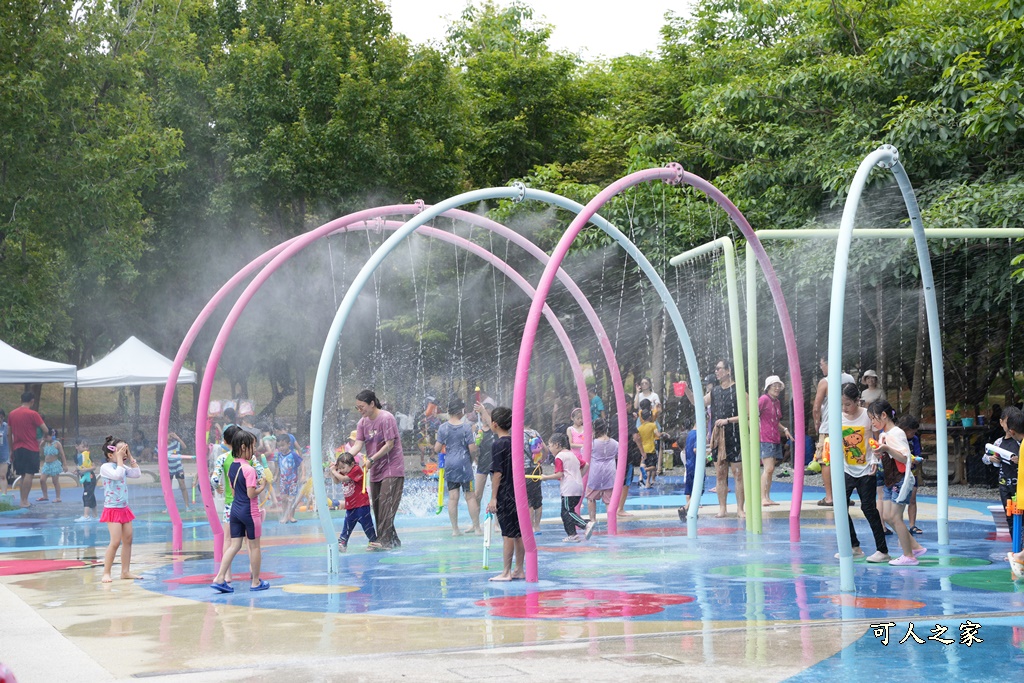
{"x":858,"y":457}
{"x":896,"y":439}
{"x":650,"y":396}
{"x":869,"y":395}
{"x":845,"y":378}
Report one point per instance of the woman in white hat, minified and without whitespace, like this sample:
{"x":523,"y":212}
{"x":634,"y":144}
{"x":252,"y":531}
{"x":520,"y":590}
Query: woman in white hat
{"x":873,"y":392}
{"x":769,"y":407}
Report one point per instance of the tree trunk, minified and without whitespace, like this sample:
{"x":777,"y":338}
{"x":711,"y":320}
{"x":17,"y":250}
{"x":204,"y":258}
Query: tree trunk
{"x":917,"y":385}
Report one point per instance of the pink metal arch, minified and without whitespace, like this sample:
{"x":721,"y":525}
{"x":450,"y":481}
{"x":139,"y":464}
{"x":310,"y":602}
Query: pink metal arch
{"x":672,"y":174}
{"x":333,"y":226}
{"x":789,"y":338}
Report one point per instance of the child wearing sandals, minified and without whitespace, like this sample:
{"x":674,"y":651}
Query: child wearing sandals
{"x":910,"y":424}
{"x":896,"y":458}
{"x":569,"y":474}
{"x":357,"y":502}
{"x":503,"y":496}
{"x":244,"y":518}
{"x":116,"y":513}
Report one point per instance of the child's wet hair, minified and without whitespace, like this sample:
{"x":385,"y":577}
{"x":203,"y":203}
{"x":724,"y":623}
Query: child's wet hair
{"x":600,"y":427}
{"x":646,"y":415}
{"x":851,"y":392}
{"x":502,"y":417}
{"x":1014,"y":417}
{"x":881,"y":407}
{"x":345,"y":459}
{"x":241,"y":439}
{"x":908,"y":421}
{"x":229,"y":433}
{"x":559,"y":440}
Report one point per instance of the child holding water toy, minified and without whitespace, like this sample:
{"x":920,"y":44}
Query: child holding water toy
{"x":244,"y":518}
{"x":569,"y":473}
{"x":535,"y":451}
{"x":503,"y":496}
{"x":357,"y":503}
{"x":1012,"y":421}
{"x":896,"y":458}
{"x":859,"y":464}
{"x":116,"y":513}
{"x":83,"y":461}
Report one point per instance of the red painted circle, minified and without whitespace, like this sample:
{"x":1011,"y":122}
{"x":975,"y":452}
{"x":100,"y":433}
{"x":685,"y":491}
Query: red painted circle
{"x":11,"y":567}
{"x":581,"y":604}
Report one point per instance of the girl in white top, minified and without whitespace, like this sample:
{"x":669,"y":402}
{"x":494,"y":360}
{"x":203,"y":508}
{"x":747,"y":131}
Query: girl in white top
{"x":116,"y":513}
{"x":896,"y":458}
{"x":647,"y":393}
{"x":569,"y":472}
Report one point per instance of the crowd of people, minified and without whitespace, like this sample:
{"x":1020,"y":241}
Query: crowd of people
{"x":255,"y":468}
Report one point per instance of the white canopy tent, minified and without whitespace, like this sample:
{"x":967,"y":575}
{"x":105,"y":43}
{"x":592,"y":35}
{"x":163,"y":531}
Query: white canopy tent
{"x":20,"y":368}
{"x":132,"y":364}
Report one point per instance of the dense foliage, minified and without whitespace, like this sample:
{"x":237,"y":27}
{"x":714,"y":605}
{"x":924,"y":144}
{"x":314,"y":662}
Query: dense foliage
{"x":149,"y":148}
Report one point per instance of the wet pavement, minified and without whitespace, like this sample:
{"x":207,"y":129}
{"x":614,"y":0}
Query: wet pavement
{"x":648,"y":602}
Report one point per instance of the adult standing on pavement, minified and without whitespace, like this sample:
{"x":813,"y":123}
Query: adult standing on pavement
{"x":377,"y":430}
{"x":24,"y":423}
{"x":769,"y":409}
{"x":725,"y":441}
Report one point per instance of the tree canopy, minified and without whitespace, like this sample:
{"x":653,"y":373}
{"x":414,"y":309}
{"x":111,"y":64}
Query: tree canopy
{"x":149,"y":148}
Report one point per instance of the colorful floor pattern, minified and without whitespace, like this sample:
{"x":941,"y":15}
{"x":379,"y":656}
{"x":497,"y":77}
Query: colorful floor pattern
{"x":650,"y":577}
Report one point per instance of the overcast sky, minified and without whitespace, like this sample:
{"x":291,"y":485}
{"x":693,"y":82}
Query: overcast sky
{"x":591,"y":29}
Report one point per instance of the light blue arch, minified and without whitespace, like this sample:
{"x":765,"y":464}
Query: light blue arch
{"x":366,"y":272}
{"x":887,"y":157}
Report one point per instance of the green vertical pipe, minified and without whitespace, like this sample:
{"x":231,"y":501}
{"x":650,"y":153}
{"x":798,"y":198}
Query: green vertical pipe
{"x":754,"y":516}
{"x":732,"y":296}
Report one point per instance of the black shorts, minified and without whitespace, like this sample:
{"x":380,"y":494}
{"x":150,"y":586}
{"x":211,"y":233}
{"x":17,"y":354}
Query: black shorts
{"x":508,"y":520}
{"x":25,"y":461}
{"x":650,"y":460}
{"x":534,"y":496}
{"x":466,"y":486}
{"x":635,"y":458}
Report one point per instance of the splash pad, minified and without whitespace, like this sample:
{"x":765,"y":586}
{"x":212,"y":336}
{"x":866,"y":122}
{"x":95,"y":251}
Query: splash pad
{"x":656,"y":595}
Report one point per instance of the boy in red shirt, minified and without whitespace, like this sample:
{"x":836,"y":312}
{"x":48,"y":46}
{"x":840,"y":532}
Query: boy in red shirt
{"x":357,"y":503}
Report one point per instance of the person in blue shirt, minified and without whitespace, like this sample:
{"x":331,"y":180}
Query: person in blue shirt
{"x":455,"y":437}
{"x":690,"y":449}
{"x":596,"y":404}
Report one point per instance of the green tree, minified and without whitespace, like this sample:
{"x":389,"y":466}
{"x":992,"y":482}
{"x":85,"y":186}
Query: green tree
{"x":528,"y":105}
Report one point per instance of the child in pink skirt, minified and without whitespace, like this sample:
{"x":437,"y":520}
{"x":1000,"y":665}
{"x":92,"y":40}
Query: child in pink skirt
{"x":116,"y":513}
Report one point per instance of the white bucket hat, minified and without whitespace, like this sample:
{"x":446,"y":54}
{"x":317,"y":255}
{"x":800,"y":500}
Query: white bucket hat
{"x":772,"y":379}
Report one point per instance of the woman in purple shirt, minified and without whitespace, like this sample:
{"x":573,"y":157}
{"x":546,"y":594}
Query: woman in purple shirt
{"x":377,"y":430}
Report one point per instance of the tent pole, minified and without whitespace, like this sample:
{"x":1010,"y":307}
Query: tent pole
{"x":64,"y":415}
